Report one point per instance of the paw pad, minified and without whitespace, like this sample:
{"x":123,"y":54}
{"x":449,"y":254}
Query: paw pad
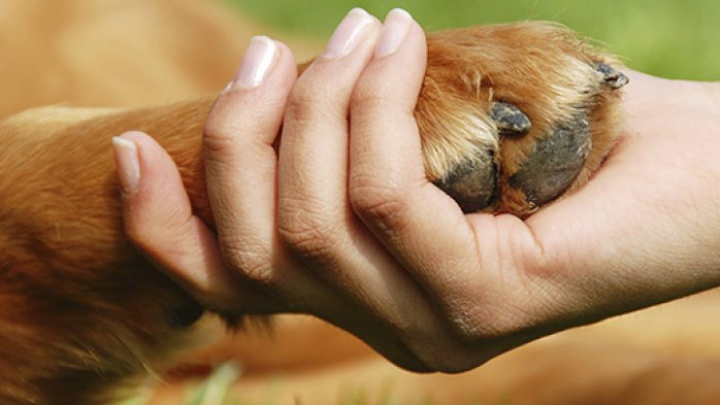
{"x":555,"y":162}
{"x":515,"y":116}
{"x":537,"y":171}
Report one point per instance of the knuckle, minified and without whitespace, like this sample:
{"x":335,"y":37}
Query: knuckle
{"x":469,"y":329}
{"x":250,"y":260}
{"x":219,"y":139}
{"x":378,"y":199}
{"x":309,"y":234}
{"x":477,"y":323}
{"x":219,"y":124}
{"x":214,"y":142}
{"x":229,"y":128}
{"x":305,"y":101}
{"x":364,"y":100}
{"x":213,"y":129}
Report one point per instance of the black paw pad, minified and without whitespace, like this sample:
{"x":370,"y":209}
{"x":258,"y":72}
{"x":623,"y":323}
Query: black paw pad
{"x":556,"y":161}
{"x":472,"y":184}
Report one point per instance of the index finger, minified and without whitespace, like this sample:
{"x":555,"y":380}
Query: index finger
{"x":239,"y":147}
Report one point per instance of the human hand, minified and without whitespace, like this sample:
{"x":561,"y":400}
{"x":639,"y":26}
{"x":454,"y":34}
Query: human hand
{"x":258,"y":264}
{"x":355,"y":234}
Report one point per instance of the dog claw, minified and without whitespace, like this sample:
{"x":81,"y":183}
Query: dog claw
{"x":614,"y":78}
{"x":509,"y":120}
{"x":555,"y":162}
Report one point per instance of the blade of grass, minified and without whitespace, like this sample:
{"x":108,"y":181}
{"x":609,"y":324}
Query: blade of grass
{"x":214,"y":390}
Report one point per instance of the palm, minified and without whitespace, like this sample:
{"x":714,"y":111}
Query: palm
{"x":643,"y":230}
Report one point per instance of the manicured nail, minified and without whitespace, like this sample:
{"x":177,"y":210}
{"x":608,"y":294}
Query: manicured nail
{"x":348,"y":34}
{"x":395,"y":29}
{"x":128,"y":165}
{"x":259,"y":58}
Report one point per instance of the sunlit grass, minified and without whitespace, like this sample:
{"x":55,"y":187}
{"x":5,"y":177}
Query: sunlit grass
{"x":215,"y":390}
{"x":672,"y":38}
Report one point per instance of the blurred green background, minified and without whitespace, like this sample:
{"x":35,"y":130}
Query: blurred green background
{"x":670,"y":38}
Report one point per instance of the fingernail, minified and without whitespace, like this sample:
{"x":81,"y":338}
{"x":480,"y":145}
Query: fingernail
{"x":128,"y":165}
{"x":256,"y":63}
{"x":395,"y":29}
{"x":348,"y":34}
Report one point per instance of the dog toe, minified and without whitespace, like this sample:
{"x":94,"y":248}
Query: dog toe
{"x":509,"y":120}
{"x":473,"y":183}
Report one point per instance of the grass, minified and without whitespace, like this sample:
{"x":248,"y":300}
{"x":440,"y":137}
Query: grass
{"x":215,"y":390}
{"x":671,"y":38}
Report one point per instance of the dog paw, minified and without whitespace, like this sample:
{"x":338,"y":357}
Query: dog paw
{"x":515,"y":116}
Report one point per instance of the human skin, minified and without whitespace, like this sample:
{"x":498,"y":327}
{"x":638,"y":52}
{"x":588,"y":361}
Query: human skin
{"x":342,"y":223}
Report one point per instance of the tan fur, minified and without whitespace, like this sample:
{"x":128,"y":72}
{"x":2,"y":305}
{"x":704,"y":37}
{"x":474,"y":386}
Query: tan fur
{"x":82,"y":314}
{"x":120,"y":53}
